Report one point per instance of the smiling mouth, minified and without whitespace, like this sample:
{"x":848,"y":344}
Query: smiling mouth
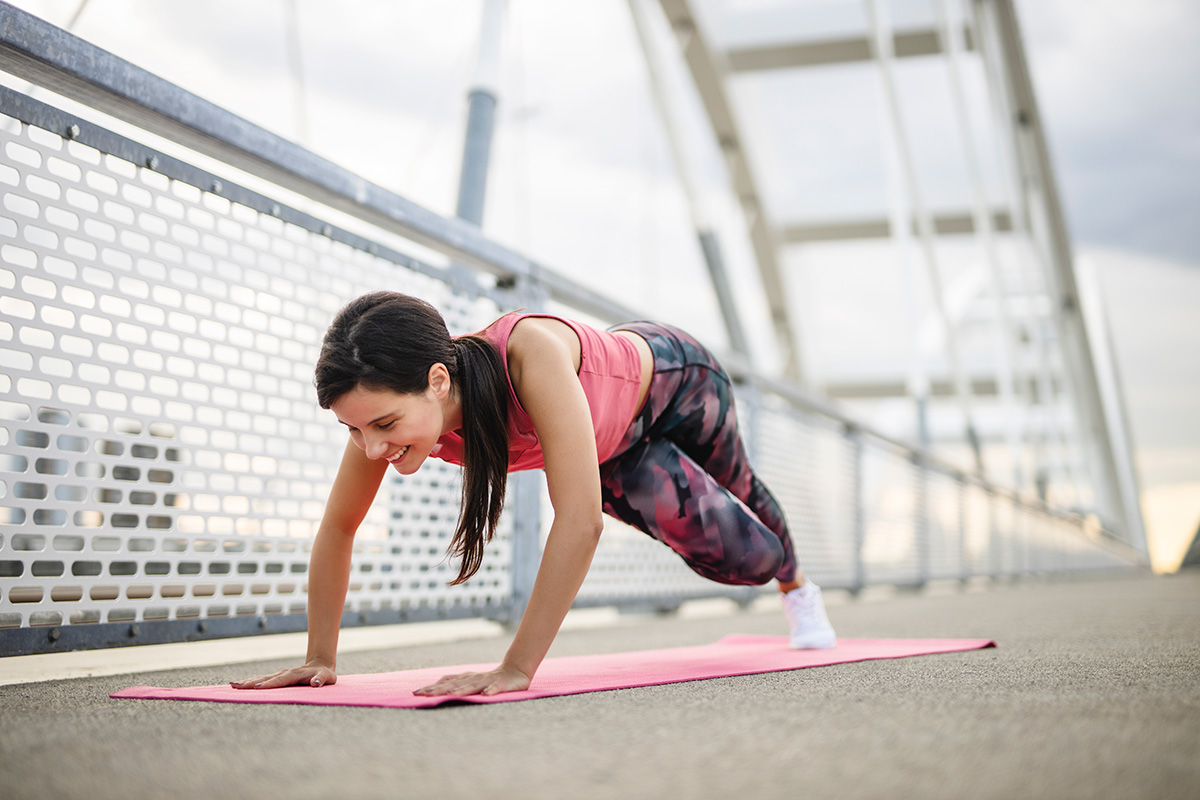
{"x":392,"y":459}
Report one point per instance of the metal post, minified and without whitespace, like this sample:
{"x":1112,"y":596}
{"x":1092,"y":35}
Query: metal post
{"x":964,"y":567}
{"x":1018,"y":540}
{"x":710,"y":245}
{"x":993,"y":538}
{"x":859,"y":505}
{"x":524,"y":488}
{"x":922,"y":523}
{"x":525,"y":502}
{"x":1023,"y":539}
{"x":481,"y":115}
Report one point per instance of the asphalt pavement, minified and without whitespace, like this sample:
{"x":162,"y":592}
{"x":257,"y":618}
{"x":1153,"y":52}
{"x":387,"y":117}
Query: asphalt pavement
{"x":1092,"y":692}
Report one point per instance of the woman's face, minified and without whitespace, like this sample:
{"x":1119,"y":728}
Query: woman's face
{"x":399,"y":428}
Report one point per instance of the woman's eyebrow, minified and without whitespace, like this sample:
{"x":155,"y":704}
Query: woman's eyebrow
{"x":372,"y":422}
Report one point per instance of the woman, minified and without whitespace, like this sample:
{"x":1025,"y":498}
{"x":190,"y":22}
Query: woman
{"x":637,"y":423}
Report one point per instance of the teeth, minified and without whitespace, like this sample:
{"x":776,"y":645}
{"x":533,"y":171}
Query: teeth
{"x":397,"y":456}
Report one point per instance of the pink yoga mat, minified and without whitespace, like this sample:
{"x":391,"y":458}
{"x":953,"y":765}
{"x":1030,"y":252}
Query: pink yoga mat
{"x":733,"y":655}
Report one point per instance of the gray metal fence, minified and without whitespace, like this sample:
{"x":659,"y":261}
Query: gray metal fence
{"x":163,"y":463}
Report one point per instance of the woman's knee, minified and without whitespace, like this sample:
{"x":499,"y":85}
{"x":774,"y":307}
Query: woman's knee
{"x":750,"y":568}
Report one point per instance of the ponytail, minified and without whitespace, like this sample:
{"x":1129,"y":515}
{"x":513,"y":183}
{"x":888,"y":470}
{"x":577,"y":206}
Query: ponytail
{"x":483,"y":391}
{"x":388,"y":340}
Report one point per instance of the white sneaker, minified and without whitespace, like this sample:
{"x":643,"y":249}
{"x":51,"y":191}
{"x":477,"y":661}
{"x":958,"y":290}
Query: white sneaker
{"x":805,"y":612}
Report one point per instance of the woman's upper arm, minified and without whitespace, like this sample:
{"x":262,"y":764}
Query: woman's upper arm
{"x":354,"y":489}
{"x":543,"y":369}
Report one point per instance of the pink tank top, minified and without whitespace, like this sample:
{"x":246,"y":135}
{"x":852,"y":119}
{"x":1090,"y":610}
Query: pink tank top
{"x":610,"y":372}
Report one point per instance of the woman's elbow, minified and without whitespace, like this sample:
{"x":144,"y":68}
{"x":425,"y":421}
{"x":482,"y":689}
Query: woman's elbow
{"x":595,"y":527}
{"x":587,"y":527}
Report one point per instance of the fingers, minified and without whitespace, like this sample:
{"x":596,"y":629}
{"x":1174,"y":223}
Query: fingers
{"x":256,"y":683}
{"x":484,"y":683}
{"x":275,"y":681}
{"x":315,"y":677}
{"x":458,"y":685}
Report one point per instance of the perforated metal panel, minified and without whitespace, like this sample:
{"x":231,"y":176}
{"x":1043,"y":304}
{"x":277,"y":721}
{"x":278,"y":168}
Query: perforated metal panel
{"x":630,"y":568}
{"x":919,"y":522}
{"x":805,"y":461}
{"x":163,"y":453}
{"x":945,"y":527}
{"x":891,"y":548}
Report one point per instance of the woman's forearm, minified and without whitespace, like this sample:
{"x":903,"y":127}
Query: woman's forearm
{"x":328,"y":579}
{"x":565,"y":562}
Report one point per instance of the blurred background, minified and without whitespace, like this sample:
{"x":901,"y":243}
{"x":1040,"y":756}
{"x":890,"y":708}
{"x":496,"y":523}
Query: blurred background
{"x":583,"y":179}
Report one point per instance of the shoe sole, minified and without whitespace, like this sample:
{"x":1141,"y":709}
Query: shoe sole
{"x":814,"y":644}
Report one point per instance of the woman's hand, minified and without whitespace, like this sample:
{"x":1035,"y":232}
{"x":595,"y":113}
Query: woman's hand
{"x":315,"y":675}
{"x":501,"y":679}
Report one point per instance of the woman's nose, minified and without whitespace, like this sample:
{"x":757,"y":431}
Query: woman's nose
{"x":375,"y":446}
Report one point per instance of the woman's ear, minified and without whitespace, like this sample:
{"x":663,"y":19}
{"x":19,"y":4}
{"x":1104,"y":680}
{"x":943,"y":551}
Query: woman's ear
{"x":439,"y":381}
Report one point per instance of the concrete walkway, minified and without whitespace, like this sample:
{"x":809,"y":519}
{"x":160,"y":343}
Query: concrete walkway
{"x":1094,"y":692}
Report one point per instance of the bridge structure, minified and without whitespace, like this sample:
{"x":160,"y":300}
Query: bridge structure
{"x":168,"y":270}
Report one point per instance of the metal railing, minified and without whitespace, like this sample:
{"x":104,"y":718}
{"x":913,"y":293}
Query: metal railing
{"x":163,"y":463}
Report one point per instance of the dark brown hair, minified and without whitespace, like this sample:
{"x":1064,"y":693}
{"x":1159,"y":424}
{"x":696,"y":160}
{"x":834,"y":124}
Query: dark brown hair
{"x":388,"y":340}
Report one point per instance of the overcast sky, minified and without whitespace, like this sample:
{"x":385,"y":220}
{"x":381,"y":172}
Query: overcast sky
{"x":582,"y":179}
{"x":1119,"y":86}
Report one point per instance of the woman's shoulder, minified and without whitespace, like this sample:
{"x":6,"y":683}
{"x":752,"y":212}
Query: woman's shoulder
{"x":502,"y":326}
{"x":538,"y":331}
{"x":538,"y":338}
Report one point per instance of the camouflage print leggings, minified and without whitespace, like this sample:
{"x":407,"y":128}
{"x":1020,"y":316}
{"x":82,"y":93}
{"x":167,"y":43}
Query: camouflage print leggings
{"x":681,"y":474}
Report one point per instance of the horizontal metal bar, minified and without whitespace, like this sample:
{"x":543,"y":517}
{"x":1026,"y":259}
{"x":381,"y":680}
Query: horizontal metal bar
{"x":895,"y":387}
{"x":857,"y":390}
{"x":742,"y":595}
{"x":946,"y":224}
{"x":908,"y":44}
{"x":67,"y":638}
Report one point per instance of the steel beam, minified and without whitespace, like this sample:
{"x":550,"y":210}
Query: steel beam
{"x":708,"y":72}
{"x":947,"y":224}
{"x":880,"y":389}
{"x":702,"y":218}
{"x":792,"y":55}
